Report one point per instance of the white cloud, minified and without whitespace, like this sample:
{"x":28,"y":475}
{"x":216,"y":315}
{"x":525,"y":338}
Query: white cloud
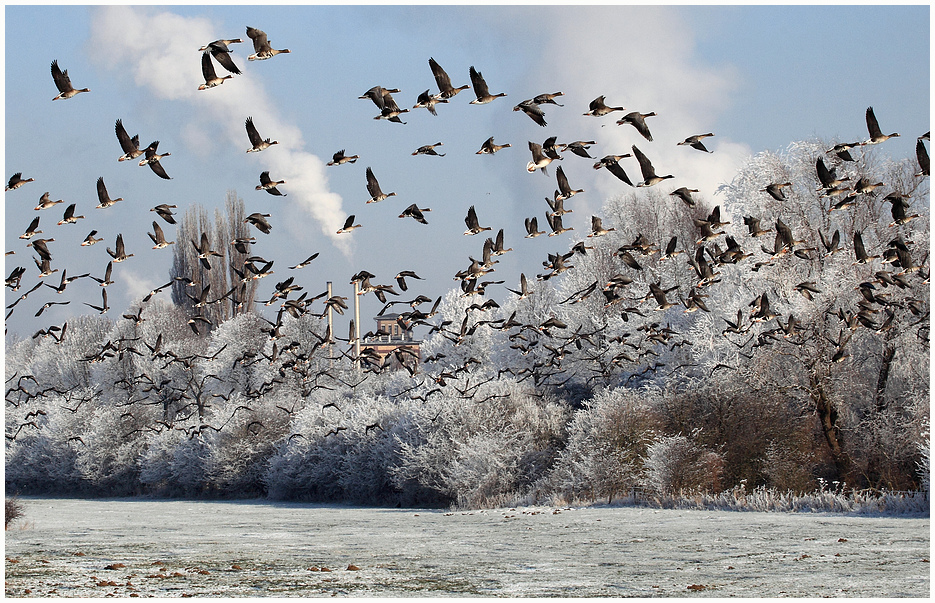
{"x":135,"y":285}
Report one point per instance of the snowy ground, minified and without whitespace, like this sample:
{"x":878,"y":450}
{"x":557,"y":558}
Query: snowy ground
{"x":129,"y":547}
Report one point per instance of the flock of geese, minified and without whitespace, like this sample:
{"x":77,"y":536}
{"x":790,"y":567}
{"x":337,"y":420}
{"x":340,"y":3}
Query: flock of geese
{"x":702,"y":258}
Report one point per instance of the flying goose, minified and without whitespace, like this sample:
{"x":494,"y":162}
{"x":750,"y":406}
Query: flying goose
{"x":269,"y":185}
{"x":498,"y":245}
{"x":597,"y":228}
{"x":45,"y":268}
{"x":242,"y":244}
{"x":864,"y":186}
{"x":859,"y":251}
{"x":532,"y":109}
{"x":827,"y":176}
{"x":646,"y":167}
{"x":490,"y":148}
{"x":31,"y":229}
{"x":389,"y":110}
{"x":90,"y":240}
{"x":165,"y":212}
{"x":898,"y":209}
{"x":876,"y":136}
{"x":378,"y":94}
{"x":775,"y":190}
{"x":63,"y":83}
{"x":119,"y":254}
{"x":104,"y":199}
{"x":638,"y":121}
{"x":556,"y":263}
{"x":66,"y":280}
{"x":416,"y":213}
{"x":207,"y":71}
{"x":428,"y":101}
{"x":151,"y":158}
{"x":429,"y":149}
{"x":131,"y":146}
{"x":761,"y":311}
{"x":539,"y":159}
{"x":784,"y":235}
{"x":642,"y":245}
{"x":807,"y":289}
{"x":903,"y":258}
{"x":685,"y":194}
{"x":259,"y":220}
{"x":611,"y":162}
{"x":261,"y":48}
{"x":848,"y":201}
{"x":707,"y":232}
{"x":158,"y":237}
{"x":108,"y":271}
{"x":401,"y":277}
{"x":734,"y":327}
{"x":373,"y":187}
{"x":45,"y":202}
{"x":834,"y":245}
{"x":532,"y":228}
{"x":340,"y":158}
{"x":923,"y":158}
{"x":220,"y":51}
{"x":753,"y":226}
{"x":480,"y":88}
{"x":550,"y":147}
{"x":348,"y":225}
{"x":842,"y":150}
{"x":473,"y":226}
{"x":194,"y":321}
{"x":660,"y":296}
{"x":565,"y":191}
{"x":103,"y":308}
{"x":695,"y":302}
{"x":49,"y":304}
{"x":557,"y":205}
{"x":16,"y":181}
{"x":445,"y":89}
{"x":731,"y":255}
{"x":670,"y":250}
{"x":13,"y":281}
{"x":205,"y":252}
{"x":542,"y":99}
{"x":258,"y":142}
{"x":695,"y":142}
{"x":524,"y":290}
{"x":597,"y":108}
{"x":579,"y":148}
{"x":714,"y":218}
{"x":555,"y":223}
{"x":487,"y":258}
{"x":69,"y":216}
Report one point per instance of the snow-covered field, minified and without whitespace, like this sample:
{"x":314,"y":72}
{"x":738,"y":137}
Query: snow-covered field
{"x":127,"y":547}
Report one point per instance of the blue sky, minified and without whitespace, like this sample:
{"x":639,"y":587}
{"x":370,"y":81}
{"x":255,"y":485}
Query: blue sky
{"x":759,"y":77}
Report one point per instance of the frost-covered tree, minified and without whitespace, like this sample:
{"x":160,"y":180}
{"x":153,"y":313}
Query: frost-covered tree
{"x":607,"y":440}
{"x":845,"y":338}
{"x":230,"y":285}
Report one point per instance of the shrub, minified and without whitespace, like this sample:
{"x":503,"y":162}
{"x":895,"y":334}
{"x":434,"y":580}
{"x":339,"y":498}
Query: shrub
{"x":14,"y":510}
{"x":676,"y":464}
